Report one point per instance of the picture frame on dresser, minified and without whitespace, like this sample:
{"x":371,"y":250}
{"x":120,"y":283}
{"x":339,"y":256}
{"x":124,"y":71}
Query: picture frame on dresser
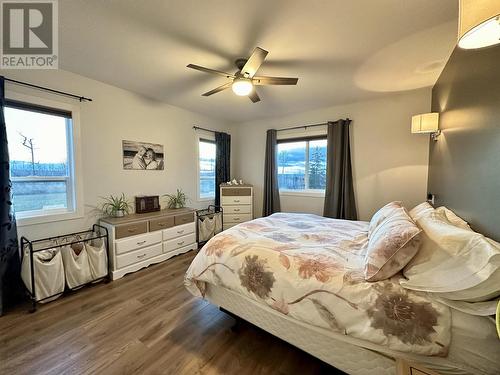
{"x":237,"y":204}
{"x":138,"y":240}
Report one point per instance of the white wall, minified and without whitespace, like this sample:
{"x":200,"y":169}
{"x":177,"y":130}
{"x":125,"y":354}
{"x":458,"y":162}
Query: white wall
{"x":115,"y":115}
{"x":389,"y":162}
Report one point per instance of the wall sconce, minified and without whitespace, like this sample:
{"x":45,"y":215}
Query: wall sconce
{"x":479,"y":23}
{"x":426,"y":123}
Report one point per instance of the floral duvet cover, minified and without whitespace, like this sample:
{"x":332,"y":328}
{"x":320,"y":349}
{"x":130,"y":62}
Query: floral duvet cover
{"x":311,"y":268}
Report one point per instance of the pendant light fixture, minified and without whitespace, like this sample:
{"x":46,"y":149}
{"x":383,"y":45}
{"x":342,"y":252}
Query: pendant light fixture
{"x":479,"y":23}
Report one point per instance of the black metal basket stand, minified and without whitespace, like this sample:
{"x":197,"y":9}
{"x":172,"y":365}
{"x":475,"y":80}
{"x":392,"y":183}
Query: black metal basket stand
{"x":202,"y":214}
{"x":49,"y":243}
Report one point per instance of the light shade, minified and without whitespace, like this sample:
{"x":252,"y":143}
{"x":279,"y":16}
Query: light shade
{"x":242,"y":86}
{"x":479,"y":23}
{"x":425,"y":123}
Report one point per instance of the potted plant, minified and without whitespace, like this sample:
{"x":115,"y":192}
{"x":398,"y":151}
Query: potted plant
{"x":115,"y":206}
{"x":177,"y":200}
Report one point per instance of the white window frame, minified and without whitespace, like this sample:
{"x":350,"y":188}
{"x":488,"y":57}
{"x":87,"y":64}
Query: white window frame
{"x":315,"y":193}
{"x":199,"y":137}
{"x":75,"y":208}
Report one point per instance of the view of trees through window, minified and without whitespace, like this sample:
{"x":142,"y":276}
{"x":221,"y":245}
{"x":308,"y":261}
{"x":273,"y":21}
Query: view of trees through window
{"x":38,"y":151}
{"x":302,"y":165}
{"x":207,"y":168}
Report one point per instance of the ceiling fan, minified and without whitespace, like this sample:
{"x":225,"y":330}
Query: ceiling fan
{"x":243,"y":82}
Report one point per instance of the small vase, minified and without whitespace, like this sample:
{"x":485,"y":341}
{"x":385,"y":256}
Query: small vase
{"x":119,"y":213}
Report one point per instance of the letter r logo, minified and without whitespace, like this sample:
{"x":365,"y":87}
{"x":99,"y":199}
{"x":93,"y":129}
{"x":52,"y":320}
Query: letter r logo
{"x":27,"y":27}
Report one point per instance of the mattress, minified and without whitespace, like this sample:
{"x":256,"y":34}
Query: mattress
{"x":474,"y":349}
{"x":310,"y":268}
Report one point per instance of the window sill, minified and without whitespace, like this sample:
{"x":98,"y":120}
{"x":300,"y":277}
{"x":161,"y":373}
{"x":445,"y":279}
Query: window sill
{"x":43,"y":218}
{"x":303,"y":193}
{"x":206,"y":199}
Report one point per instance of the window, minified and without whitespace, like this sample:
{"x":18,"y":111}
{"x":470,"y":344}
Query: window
{"x":41,"y":155}
{"x":206,"y":169}
{"x":302,"y":164}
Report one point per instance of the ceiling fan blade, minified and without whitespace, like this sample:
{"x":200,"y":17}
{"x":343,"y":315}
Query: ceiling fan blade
{"x":274,"y":81}
{"x":218,"y":89}
{"x":254,"y":62}
{"x":253,"y":96}
{"x":207,"y":70}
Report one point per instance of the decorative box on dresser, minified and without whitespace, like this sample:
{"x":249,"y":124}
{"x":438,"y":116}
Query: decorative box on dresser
{"x":237,"y":204}
{"x":139,"y":240}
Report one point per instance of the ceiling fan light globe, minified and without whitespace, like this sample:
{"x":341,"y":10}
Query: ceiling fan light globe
{"x":242,"y":87}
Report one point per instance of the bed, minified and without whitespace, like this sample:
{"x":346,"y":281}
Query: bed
{"x":300,"y":277}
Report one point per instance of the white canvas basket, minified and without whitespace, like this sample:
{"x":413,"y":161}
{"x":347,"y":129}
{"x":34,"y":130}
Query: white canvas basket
{"x":98,"y":258}
{"x":48,"y":273}
{"x":76,"y":267}
{"x":218,"y":222}
{"x":206,"y":228}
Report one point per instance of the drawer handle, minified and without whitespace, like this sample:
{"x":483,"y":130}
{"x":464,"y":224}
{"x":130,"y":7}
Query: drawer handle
{"x":180,"y":231}
{"x":141,"y":242}
{"x":180,"y":243}
{"x":141,"y":256}
{"x":236,"y":210}
{"x":132,"y":230}
{"x":162,"y":224}
{"x":236,"y":218}
{"x":237,"y":201}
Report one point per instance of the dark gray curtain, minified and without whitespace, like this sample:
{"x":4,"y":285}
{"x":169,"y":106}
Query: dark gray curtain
{"x":9,"y":254}
{"x":339,"y":195}
{"x":271,"y":189}
{"x":222,"y":162}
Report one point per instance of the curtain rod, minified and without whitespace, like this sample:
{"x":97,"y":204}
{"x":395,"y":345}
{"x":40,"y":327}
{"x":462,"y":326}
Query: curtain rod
{"x":80,"y":98}
{"x":294,"y":127}
{"x":306,"y":126}
{"x":207,"y":130}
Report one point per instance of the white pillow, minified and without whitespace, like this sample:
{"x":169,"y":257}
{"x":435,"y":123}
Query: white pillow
{"x":420,"y":210}
{"x":483,"y":291}
{"x":453,"y":218}
{"x":486,"y":308}
{"x":452,"y":259}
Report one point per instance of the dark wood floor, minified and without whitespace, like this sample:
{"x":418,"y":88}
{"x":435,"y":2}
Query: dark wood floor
{"x":145,"y":323}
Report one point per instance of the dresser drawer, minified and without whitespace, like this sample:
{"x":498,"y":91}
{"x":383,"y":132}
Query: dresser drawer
{"x":184,"y":219}
{"x":232,"y":200}
{"x":243,"y":209}
{"x":136,"y":242}
{"x":127,"y":230}
{"x":161,"y":223}
{"x":138,"y":255}
{"x":179,"y":242}
{"x":236,"y":218}
{"x":178,"y":231}
{"x":236,"y":191}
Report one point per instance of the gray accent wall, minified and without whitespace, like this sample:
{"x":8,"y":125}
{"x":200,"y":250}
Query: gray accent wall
{"x":464,"y":163}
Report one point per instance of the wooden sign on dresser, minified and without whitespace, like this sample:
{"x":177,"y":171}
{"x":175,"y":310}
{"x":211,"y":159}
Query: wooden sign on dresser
{"x":139,"y":240}
{"x":237,"y":204}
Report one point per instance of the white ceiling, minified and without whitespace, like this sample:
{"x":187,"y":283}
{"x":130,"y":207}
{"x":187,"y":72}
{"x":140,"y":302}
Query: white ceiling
{"x":341,"y":50}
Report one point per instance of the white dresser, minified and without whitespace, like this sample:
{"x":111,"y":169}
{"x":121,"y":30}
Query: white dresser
{"x":139,"y":240}
{"x":237,"y":204}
